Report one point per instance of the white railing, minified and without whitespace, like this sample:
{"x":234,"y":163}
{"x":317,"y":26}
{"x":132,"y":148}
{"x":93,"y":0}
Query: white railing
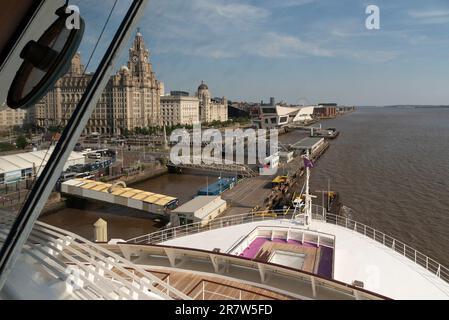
{"x":392,"y":243}
{"x":196,"y":227}
{"x":90,"y":268}
{"x":293,"y":282}
{"x":205,"y":294}
{"x":319,"y":214}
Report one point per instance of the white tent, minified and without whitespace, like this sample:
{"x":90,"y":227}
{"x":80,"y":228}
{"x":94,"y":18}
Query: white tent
{"x":17,"y":166}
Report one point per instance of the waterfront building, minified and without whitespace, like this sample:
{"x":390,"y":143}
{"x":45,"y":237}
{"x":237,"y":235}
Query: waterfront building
{"x":325,"y":110}
{"x":308,"y":144}
{"x":304,"y":115}
{"x":215,"y":109}
{"x":22,"y":166}
{"x":343,"y":110}
{"x":201,"y":209}
{"x":179,"y":108}
{"x":10,"y":118}
{"x":272,"y":115}
{"x":235,"y":112}
{"x":131,"y":98}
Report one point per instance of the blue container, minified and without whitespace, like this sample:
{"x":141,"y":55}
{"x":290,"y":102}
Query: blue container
{"x":218,"y":187}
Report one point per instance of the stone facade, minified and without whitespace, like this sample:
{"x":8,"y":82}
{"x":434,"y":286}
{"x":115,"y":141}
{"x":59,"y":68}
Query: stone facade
{"x":131,"y":98}
{"x":10,"y":118}
{"x":211,"y":109}
{"x":179,"y":109}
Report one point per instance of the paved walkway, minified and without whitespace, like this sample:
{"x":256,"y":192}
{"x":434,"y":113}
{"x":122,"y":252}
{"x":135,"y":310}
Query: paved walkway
{"x":247,"y":194}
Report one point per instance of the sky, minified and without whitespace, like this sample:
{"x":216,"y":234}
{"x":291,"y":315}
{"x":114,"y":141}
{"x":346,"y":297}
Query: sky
{"x":298,"y":51}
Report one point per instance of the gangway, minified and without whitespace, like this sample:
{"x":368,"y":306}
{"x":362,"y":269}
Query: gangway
{"x":234,"y":168}
{"x":118,"y":193}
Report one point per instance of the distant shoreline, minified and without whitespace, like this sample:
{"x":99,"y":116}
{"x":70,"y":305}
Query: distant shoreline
{"x":409,"y":106}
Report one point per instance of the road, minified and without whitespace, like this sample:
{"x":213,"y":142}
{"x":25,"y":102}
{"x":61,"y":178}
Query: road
{"x":247,"y":194}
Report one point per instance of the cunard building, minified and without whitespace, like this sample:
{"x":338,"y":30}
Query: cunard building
{"x":211,"y":109}
{"x":131,"y":99}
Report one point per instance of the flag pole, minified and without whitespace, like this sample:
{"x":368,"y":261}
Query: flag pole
{"x":308,"y":199}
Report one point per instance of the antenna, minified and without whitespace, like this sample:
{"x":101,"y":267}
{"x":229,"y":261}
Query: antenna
{"x":308,"y":197}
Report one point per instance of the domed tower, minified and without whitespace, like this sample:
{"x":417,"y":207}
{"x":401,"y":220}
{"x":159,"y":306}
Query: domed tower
{"x":203,"y":90}
{"x":205,"y":99}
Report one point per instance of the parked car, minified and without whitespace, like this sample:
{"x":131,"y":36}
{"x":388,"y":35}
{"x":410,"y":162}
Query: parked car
{"x":94,"y":156}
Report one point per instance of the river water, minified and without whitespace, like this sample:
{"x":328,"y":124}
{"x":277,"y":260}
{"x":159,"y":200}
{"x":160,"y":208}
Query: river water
{"x":391,"y":167}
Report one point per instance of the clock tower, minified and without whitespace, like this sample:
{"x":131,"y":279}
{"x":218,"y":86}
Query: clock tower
{"x":142,"y":103}
{"x":139,"y":57}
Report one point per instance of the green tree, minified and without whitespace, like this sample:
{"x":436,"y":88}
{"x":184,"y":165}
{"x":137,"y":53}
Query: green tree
{"x":4,"y":146}
{"x":126,"y":133}
{"x":55,"y":129}
{"x":17,"y":129}
{"x":21,"y":142}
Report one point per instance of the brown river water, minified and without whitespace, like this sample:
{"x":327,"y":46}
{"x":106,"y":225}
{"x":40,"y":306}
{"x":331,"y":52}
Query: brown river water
{"x":389,"y":165}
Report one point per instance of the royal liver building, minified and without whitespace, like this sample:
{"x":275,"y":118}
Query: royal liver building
{"x":131,"y":99}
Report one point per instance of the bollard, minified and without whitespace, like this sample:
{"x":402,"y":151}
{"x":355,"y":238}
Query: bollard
{"x":101,"y":231}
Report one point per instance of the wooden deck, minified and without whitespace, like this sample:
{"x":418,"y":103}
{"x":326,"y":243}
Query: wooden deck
{"x":201,"y":287}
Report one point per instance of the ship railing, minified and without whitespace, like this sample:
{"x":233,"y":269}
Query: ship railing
{"x":400,"y":247}
{"x":289,"y":282}
{"x":201,"y":291}
{"x":318,"y":213}
{"x":58,"y":246}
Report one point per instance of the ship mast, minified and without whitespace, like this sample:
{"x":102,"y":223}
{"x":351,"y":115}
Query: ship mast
{"x":308,"y":197}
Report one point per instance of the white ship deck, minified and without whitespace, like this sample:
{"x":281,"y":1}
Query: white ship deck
{"x":357,"y":257}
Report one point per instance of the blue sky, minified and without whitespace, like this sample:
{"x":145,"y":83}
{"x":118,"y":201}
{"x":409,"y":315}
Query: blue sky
{"x":294,"y":50}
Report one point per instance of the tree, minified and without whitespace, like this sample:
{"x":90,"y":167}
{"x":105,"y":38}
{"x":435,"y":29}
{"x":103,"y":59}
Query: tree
{"x":56,"y":129}
{"x":21,"y":142}
{"x":126,"y":133}
{"x":4,"y":146}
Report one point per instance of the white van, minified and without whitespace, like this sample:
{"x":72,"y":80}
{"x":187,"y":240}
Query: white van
{"x":94,"y":156}
{"x":68,"y":176}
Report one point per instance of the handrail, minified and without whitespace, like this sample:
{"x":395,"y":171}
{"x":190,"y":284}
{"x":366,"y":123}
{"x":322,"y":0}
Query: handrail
{"x":196,"y":227}
{"x":102,"y":254}
{"x":200,"y":256}
{"x":202,"y":281}
{"x":392,"y":243}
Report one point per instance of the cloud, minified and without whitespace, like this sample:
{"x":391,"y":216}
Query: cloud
{"x":231,"y":11}
{"x":221,"y":29}
{"x":373,"y":56}
{"x":267,"y":45}
{"x":438,"y":16}
{"x":429,"y":13}
{"x":287,"y":3}
{"x":274,"y":45}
